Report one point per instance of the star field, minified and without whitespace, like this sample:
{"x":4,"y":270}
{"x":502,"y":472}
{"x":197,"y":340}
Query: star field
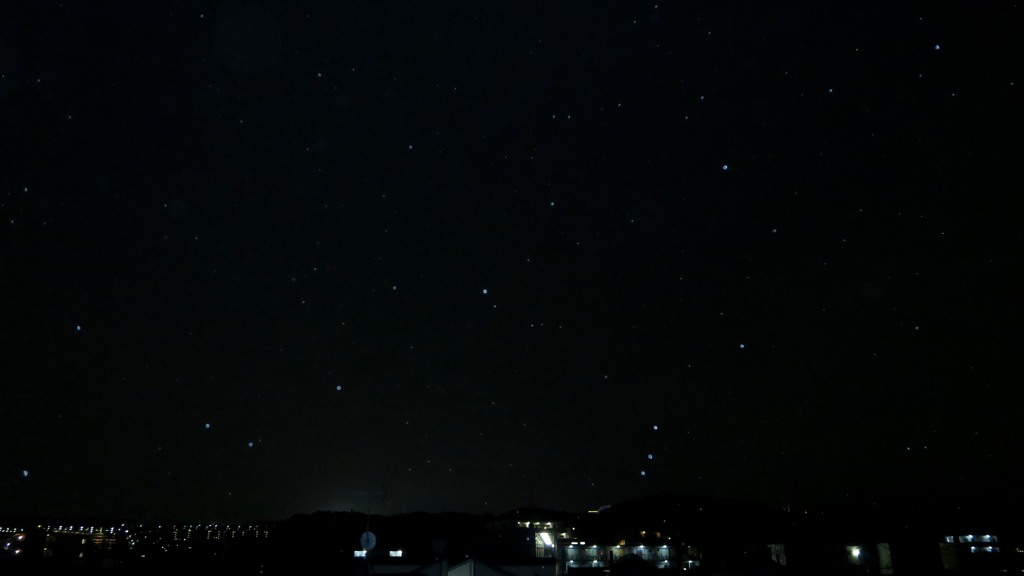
{"x":260,"y":260}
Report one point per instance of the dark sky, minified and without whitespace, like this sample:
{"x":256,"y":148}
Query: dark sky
{"x":260,"y":259}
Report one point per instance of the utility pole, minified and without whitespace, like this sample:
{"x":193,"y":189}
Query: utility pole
{"x":368,"y":540}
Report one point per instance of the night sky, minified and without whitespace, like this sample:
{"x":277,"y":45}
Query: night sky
{"x":263,"y":259}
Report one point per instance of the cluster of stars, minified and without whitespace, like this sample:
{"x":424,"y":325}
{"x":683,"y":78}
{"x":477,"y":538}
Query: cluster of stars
{"x":537,"y":204}
{"x":650,"y":455}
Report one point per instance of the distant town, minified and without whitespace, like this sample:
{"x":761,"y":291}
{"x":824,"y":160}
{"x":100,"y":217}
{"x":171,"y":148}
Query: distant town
{"x":661,"y":535}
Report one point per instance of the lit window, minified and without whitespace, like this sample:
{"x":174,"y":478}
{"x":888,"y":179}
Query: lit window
{"x":395,"y":553}
{"x":359,"y":554}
